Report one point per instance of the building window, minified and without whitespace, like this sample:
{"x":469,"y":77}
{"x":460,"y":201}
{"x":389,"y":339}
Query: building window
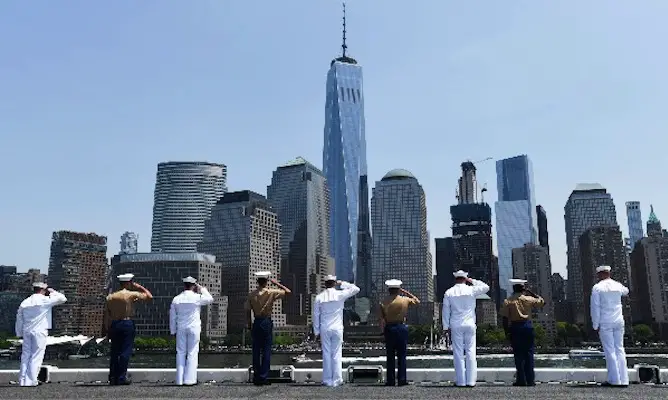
{"x":343,"y":94}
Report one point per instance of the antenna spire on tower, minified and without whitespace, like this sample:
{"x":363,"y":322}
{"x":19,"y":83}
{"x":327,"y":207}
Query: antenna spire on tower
{"x":343,"y":45}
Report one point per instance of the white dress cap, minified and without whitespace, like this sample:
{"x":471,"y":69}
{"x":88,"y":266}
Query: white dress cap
{"x":330,"y":278}
{"x":603,"y":268}
{"x":40,"y":285}
{"x":460,"y":274}
{"x":393,"y":283}
{"x":263,"y":274}
{"x":189,"y":279}
{"x":515,"y":281}
{"x":125,"y":277}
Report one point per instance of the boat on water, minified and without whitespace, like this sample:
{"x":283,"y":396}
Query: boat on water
{"x":78,"y":356}
{"x":586,"y":353}
{"x":302,"y":358}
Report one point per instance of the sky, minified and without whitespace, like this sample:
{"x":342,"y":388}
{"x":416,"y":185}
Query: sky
{"x":94,"y":94}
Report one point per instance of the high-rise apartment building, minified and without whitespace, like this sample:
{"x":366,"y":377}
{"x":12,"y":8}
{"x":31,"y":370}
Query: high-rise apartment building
{"x":532,"y":262}
{"x":344,"y":158}
{"x":541,"y":222}
{"x":634,"y":218}
{"x":299,"y":196}
{"x":400,"y":239}
{"x":78,"y":269}
{"x":445,"y":265}
{"x":515,"y":211}
{"x":244,"y":235}
{"x":649,"y":268}
{"x":162,"y":274}
{"x":185,"y":192}
{"x":602,"y":246}
{"x":129,"y":243}
{"x":588,"y":206}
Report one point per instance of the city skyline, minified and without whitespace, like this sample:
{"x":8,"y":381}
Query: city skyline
{"x":139,"y":108}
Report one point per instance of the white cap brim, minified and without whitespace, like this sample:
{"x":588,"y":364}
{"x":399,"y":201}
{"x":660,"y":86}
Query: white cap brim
{"x":189,"y":279}
{"x":460,"y":274}
{"x":517,"y":281}
{"x":393,"y":283}
{"x":125,"y":277}
{"x":330,"y":278}
{"x":40,"y":285}
{"x":263,"y":274}
{"x":603,"y":268}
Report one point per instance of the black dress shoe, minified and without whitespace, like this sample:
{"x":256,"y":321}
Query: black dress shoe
{"x":125,"y":382}
{"x":389,"y":383}
{"x":402,"y":384}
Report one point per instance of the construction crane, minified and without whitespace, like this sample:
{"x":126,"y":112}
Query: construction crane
{"x":483,"y":160}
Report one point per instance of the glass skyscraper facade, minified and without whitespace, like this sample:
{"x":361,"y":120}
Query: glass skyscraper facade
{"x":516,"y":222}
{"x":344,"y":160}
{"x":300,"y":198}
{"x":588,"y":206}
{"x":634,"y":218}
{"x":400,"y":237}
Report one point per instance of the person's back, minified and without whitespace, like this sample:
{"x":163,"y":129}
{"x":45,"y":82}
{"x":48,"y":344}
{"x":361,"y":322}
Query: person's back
{"x":187,"y":306}
{"x":461,"y":301}
{"x":35,"y":313}
{"x":330,"y":304}
{"x":609,"y":297}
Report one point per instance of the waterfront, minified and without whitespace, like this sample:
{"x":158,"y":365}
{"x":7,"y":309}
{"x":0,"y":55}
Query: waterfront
{"x":418,"y":361}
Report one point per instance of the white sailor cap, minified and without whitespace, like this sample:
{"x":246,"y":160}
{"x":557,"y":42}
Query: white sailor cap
{"x":460,"y":274}
{"x":516,"y":281}
{"x":330,"y":278}
{"x":40,"y":285}
{"x":125,"y":277}
{"x":263,"y":274}
{"x":189,"y":279}
{"x":393,"y":283}
{"x":603,"y":268}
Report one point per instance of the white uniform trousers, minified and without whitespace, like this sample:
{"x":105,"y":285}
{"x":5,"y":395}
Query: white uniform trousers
{"x":466,"y":367}
{"x":32,"y":355}
{"x":612,"y":340}
{"x":187,"y":352}
{"x":332,"y":350}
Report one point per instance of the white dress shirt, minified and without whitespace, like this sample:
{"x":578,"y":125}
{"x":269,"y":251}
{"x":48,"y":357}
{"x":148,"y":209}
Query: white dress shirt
{"x":328,"y":307}
{"x":459,"y":303}
{"x":606,"y":303}
{"x":185,"y":309}
{"x":34,"y":313}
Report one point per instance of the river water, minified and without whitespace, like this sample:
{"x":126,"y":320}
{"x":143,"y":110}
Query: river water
{"x":418,"y":361}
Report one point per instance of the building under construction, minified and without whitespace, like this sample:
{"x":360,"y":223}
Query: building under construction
{"x":78,"y":269}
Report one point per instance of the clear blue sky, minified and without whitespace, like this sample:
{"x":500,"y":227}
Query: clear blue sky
{"x":94,"y":94}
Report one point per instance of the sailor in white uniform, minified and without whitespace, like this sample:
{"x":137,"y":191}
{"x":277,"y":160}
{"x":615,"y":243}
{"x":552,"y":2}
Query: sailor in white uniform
{"x":328,"y":324}
{"x":459,"y":318}
{"x":607,"y":318}
{"x":185,"y":323}
{"x":33,"y":320}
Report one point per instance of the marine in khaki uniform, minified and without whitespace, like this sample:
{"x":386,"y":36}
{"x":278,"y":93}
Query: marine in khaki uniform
{"x":261,"y":302}
{"x":516,"y":312}
{"x":119,"y":326}
{"x":393,"y":312}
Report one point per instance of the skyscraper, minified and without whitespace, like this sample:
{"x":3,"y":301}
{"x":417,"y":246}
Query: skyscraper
{"x":78,"y":268}
{"x":588,"y":206}
{"x":129,"y":243}
{"x":243,"y":234}
{"x":300,"y":198}
{"x":472,"y":235}
{"x":543,"y":237}
{"x":634,"y":218}
{"x":445,"y":265}
{"x":185,"y":192}
{"x":344,"y":157}
{"x":400,"y":238}
{"x":516,"y":223}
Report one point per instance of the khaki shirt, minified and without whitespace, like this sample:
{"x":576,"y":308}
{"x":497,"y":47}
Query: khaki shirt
{"x":120,"y":305}
{"x":395,"y":308}
{"x":261,"y":301}
{"x":518,"y":307}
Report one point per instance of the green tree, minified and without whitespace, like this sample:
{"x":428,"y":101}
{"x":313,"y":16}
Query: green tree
{"x":204,"y":342}
{"x":283,"y":340}
{"x":568,"y":334}
{"x":5,"y":344}
{"x":418,"y":333}
{"x":140,"y":343}
{"x":643,"y":333}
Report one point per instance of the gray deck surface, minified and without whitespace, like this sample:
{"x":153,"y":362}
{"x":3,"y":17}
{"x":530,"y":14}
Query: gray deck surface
{"x":148,"y":391}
